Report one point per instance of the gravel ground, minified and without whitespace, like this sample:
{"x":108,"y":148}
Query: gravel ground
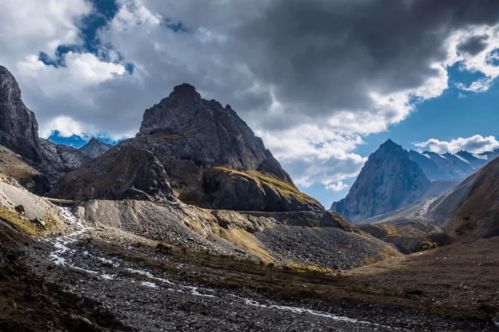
{"x":146,"y":298}
{"x":326,"y":247}
{"x":152,"y":300}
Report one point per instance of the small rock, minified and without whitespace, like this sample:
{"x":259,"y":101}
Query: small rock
{"x":20,"y":209}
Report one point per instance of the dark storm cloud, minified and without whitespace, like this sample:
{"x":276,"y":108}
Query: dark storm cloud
{"x":473,"y":45}
{"x":323,"y":55}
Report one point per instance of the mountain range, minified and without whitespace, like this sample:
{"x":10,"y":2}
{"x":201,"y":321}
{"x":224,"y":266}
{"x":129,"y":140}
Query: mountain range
{"x":393,"y":178}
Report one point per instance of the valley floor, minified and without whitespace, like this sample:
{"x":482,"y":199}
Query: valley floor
{"x":461,"y":275}
{"x":138,"y":286}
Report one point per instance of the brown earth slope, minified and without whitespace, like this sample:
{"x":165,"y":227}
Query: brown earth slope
{"x":472,"y":209}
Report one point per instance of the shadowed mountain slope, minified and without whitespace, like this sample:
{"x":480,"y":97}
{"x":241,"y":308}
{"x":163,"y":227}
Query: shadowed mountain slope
{"x":388,"y":181}
{"x":472,"y":208}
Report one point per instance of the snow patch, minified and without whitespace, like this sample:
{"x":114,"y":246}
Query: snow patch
{"x":461,"y":158}
{"x":480,"y":156}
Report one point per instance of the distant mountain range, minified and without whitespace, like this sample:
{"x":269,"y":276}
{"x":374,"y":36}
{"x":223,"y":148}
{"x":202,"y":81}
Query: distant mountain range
{"x":394,"y":178}
{"x":448,"y":166}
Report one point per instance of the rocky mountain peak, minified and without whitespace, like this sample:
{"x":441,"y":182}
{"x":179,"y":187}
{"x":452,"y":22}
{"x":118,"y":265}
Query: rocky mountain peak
{"x":390,"y":145}
{"x":95,"y":148}
{"x":389,"y":180}
{"x":18,"y":126}
{"x":204,"y":131}
{"x":185,"y":93}
{"x":213,"y":158}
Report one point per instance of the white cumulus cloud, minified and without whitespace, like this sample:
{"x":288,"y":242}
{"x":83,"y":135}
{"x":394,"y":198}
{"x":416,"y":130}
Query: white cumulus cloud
{"x":474,"y":144}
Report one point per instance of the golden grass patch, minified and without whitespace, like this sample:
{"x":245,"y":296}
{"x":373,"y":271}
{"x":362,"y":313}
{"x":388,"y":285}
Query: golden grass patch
{"x":308,"y":268}
{"x":248,"y":241}
{"x":28,"y":227}
{"x":282,"y":187}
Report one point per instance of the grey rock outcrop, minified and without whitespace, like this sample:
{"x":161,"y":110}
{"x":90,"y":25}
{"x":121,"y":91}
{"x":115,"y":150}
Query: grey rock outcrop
{"x":58,"y":159}
{"x":95,"y":148}
{"x":388,"y":181}
{"x":126,"y":172}
{"x":18,"y":126}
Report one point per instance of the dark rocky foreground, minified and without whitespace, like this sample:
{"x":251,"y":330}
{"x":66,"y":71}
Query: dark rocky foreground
{"x":154,"y":289}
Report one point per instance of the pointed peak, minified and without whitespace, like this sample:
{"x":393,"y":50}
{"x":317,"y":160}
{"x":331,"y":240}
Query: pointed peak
{"x":389,"y":144}
{"x":185,"y":92}
{"x":95,"y":142}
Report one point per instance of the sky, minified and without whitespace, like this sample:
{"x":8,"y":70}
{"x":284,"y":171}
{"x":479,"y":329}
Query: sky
{"x":324,"y":83}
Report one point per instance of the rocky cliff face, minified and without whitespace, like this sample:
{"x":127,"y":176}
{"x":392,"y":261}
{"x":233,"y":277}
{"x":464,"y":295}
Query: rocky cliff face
{"x":19,"y":133}
{"x":95,"y":148}
{"x":18,"y":126}
{"x":389,"y":180}
{"x":126,"y":172}
{"x":58,"y":159}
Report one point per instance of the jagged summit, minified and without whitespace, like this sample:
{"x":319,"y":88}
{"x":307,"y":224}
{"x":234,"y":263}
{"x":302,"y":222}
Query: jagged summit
{"x":210,"y":134}
{"x":185,"y":93}
{"x":390,"y":144}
